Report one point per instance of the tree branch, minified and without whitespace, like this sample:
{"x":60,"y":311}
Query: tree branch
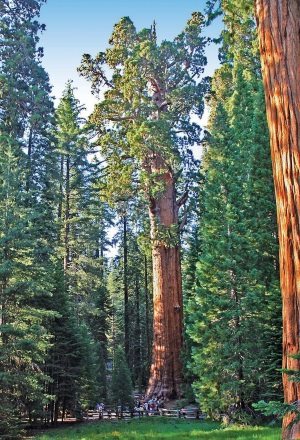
{"x":183,"y":221}
{"x":121,"y":118}
{"x":183,"y":199}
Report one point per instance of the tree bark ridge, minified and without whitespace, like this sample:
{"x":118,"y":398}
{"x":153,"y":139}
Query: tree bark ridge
{"x":279,"y":38}
{"x":166,"y":368}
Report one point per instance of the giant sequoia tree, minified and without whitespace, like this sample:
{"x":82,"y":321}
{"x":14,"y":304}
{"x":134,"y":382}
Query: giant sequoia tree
{"x":278,"y":29}
{"x":145,"y":128}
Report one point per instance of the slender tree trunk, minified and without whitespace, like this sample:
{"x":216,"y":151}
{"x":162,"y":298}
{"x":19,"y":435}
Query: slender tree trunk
{"x":29,"y":161}
{"x":61,"y":177}
{"x":101,"y":330}
{"x":51,"y":407}
{"x":56,"y":412}
{"x":125,"y":284}
{"x":113,"y":330}
{"x":278,"y":30}
{"x":238,"y":348}
{"x":148,"y":348}
{"x":63,"y":411}
{"x":4,"y":285}
{"x":137,"y":338}
{"x":166,"y":369}
{"x":67,"y":216}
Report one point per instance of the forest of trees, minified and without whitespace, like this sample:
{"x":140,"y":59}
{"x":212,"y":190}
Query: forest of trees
{"x":190,"y":306}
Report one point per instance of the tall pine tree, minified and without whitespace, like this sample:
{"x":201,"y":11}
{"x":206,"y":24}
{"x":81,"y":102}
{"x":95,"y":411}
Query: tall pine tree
{"x":27,"y":172}
{"x":235,"y":305}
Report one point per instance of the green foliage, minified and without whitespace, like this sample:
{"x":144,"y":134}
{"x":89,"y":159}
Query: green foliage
{"x":137,"y":283}
{"x":121,"y":385}
{"x":145,"y":132}
{"x":27,"y":171}
{"x":77,"y":359}
{"x":280,"y":409}
{"x":163,"y":429}
{"x":167,"y":235}
{"x":149,"y":99}
{"x":234,"y":305}
{"x":62,"y":313}
{"x":275,"y":408}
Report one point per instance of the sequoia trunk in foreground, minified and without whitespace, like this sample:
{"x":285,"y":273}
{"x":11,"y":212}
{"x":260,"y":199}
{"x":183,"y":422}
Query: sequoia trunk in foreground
{"x":278,"y":29}
{"x":166,"y":368}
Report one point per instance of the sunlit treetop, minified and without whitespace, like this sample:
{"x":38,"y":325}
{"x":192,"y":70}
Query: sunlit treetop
{"x":150,"y":92}
{"x":20,"y":10}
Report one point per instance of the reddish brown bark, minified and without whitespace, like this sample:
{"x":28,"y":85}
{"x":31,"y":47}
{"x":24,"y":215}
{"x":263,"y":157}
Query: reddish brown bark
{"x":278,"y":29}
{"x":166,"y":368}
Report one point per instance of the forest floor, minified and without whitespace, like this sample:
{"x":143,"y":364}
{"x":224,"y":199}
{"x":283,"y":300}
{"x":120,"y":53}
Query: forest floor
{"x":159,"y":429}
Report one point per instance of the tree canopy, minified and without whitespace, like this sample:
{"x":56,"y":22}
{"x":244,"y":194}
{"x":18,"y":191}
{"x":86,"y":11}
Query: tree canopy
{"x":127,"y":266}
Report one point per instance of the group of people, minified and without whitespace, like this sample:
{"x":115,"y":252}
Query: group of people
{"x":100,"y":407}
{"x":151,"y":405}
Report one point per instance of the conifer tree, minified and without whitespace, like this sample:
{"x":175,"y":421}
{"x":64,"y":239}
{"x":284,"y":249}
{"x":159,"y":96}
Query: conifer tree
{"x":235,"y":305}
{"x":150,"y":98}
{"x":27,"y":172}
{"x":121,"y":386}
{"x":80,"y":327}
{"x":138,"y":307}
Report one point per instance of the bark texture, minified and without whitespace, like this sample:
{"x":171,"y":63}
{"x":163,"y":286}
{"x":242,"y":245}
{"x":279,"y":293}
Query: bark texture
{"x":166,"y":368}
{"x":279,"y":37}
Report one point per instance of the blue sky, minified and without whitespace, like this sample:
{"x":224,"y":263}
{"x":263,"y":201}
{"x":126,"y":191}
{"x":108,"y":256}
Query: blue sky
{"x":74,"y":27}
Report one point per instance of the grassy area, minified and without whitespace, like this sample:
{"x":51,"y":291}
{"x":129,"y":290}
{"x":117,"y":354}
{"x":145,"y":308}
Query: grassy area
{"x":160,"y":430}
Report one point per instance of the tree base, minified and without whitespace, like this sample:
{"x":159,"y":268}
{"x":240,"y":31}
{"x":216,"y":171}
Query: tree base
{"x":290,"y":431}
{"x":161,"y":391}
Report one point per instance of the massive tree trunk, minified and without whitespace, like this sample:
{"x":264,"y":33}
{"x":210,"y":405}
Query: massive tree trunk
{"x":166,"y":369}
{"x":278,"y":29}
